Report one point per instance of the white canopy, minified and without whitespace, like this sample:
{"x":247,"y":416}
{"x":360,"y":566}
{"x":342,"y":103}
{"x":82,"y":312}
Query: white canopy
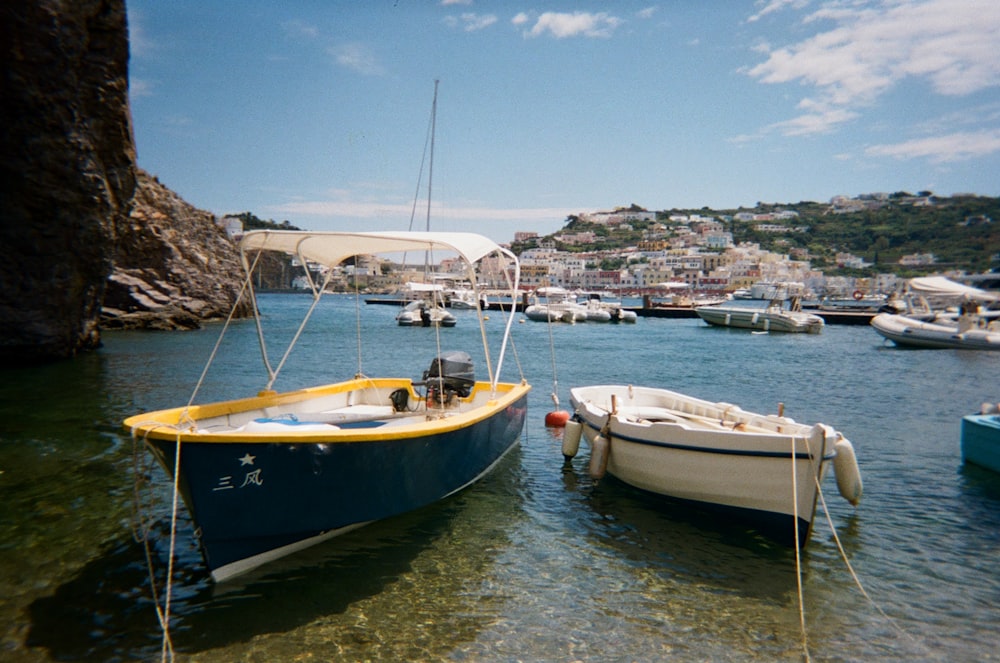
{"x":332,"y":248}
{"x":939,"y":286}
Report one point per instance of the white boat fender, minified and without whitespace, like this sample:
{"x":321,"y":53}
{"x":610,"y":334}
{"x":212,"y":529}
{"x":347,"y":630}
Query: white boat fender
{"x":845,"y":467}
{"x":571,"y":438}
{"x":600,"y":449}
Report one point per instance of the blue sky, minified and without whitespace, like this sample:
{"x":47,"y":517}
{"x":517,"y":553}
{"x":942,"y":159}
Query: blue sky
{"x":318,"y":112}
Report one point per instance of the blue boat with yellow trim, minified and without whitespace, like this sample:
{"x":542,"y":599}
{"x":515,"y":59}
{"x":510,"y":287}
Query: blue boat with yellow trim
{"x":271,"y":474}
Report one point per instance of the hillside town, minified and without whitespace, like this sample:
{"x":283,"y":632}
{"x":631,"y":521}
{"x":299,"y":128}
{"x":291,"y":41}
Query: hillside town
{"x":692,"y":251}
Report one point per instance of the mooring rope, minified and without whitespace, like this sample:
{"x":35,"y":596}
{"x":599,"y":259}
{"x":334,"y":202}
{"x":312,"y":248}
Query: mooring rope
{"x":162,"y":612}
{"x":847,"y":562}
{"x":140,"y":526}
{"x":167,"y":648}
{"x":552,"y":356}
{"x":513,"y":346}
{"x":850,"y":569}
{"x":357,"y":322}
{"x":798,"y":555}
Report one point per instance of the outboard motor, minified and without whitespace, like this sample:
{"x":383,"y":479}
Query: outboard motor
{"x":450,"y":375}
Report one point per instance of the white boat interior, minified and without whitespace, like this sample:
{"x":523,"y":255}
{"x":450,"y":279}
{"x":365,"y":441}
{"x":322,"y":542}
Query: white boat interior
{"x":637,"y":404}
{"x":331,"y":411}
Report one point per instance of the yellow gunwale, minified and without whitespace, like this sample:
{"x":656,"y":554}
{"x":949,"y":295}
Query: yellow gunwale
{"x":167,"y":424}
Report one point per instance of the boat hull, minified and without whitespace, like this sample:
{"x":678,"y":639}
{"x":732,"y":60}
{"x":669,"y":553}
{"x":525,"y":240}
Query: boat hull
{"x":909,"y":332}
{"x":981,"y":440}
{"x":555,"y":313}
{"x":761,"y":319}
{"x":747,"y":474}
{"x":257,"y":496}
{"x":415,"y":315}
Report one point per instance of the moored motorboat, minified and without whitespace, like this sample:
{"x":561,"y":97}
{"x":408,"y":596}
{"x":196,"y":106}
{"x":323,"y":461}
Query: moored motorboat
{"x":427,"y":311}
{"x":981,"y":437}
{"x":774,"y":317}
{"x":763,"y":468}
{"x":783,"y":313}
{"x":554,"y":304}
{"x":596,"y":312}
{"x":602,"y":309}
{"x":970,"y":332}
{"x":621,"y":314}
{"x":465,"y":299}
{"x":678,"y":300}
{"x":270,"y":474}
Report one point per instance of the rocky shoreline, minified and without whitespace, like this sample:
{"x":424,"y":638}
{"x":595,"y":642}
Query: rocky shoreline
{"x":174,"y":267}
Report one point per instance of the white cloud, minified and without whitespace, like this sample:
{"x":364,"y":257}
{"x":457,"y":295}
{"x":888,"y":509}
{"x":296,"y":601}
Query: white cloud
{"x":972,"y":116}
{"x":647,"y":12}
{"x":139,"y":87}
{"x":871,"y":48}
{"x":562,"y":25}
{"x":942,"y":149}
{"x":298,"y":28}
{"x":520,"y":19}
{"x":357,"y":57}
{"x":471,"y":22}
{"x":809,"y":124}
{"x":774,"y":6}
{"x":139,"y":42}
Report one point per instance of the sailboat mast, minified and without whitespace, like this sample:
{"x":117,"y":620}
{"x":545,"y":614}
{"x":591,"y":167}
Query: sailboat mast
{"x":430,"y":168}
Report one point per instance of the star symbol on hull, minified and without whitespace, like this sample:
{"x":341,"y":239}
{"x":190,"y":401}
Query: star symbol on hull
{"x":247,"y":459}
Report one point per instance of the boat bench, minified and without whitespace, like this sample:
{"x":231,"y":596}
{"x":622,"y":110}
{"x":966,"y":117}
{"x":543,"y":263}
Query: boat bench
{"x":653,"y":414}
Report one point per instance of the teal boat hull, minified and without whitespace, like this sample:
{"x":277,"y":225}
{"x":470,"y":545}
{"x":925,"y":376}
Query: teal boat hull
{"x":981,"y":440}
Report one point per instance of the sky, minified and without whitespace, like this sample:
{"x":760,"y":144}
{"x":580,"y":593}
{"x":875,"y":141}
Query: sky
{"x":319,"y":112}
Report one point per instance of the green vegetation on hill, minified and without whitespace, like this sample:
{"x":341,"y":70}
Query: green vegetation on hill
{"x":961,"y":232}
{"x":251,"y":222}
{"x":273,"y":271}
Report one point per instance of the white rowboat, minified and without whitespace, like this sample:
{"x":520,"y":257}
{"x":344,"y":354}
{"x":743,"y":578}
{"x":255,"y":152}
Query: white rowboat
{"x":762,"y":468}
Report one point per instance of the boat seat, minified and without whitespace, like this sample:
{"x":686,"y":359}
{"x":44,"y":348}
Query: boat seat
{"x":350,"y":413}
{"x":645,"y":412}
{"x":283,"y":425}
{"x":650,"y":414}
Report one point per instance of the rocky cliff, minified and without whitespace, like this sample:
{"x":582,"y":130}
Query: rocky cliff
{"x":174,"y":266}
{"x":67,"y":170}
{"x":75,"y":229}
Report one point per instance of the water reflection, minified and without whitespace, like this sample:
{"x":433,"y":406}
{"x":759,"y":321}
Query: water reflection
{"x":536,"y":562}
{"x":432,"y":553}
{"x":689,"y":542}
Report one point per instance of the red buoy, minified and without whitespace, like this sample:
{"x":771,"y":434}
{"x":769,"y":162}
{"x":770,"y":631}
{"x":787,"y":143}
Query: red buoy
{"x":557,"y":418}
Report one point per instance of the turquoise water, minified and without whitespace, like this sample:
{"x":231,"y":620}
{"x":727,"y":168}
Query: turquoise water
{"x":536,"y":562}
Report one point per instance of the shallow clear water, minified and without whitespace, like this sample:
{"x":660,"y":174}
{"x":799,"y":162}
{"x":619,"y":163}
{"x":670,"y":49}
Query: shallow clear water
{"x":536,"y":562}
